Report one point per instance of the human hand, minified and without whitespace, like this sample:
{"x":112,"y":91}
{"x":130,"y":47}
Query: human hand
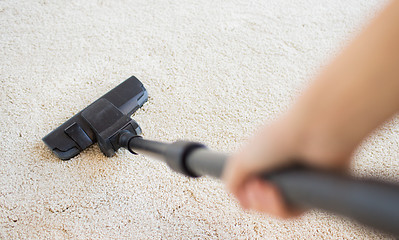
{"x":275,"y":146}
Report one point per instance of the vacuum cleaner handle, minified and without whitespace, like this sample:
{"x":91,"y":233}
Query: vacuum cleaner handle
{"x":370,"y":202}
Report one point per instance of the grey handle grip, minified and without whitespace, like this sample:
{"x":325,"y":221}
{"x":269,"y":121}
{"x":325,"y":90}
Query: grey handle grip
{"x":370,"y":202}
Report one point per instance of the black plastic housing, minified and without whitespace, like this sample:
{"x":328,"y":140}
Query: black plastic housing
{"x":90,"y":124}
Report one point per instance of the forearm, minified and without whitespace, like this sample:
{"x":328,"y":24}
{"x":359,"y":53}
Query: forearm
{"x":359,"y":89}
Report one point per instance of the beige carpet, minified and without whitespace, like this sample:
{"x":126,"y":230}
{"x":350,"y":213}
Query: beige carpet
{"x":215,"y":70}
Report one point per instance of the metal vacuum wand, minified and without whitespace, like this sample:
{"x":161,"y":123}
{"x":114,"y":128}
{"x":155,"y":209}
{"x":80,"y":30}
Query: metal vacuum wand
{"x":195,"y":163}
{"x":370,"y":202}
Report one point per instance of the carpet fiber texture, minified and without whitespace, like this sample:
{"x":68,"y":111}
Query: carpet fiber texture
{"x":214,"y":70}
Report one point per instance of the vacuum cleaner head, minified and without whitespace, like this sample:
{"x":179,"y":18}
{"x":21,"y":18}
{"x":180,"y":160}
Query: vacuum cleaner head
{"x":101,"y":122}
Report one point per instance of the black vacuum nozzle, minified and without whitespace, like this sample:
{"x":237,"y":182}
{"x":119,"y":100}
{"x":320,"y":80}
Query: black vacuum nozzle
{"x":100,"y":122}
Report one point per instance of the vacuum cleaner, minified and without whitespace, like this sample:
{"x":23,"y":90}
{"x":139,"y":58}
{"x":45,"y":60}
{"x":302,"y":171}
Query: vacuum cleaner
{"x":108,"y":122}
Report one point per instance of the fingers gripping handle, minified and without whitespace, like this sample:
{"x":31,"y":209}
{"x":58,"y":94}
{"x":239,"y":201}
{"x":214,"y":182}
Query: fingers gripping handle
{"x":370,"y":202}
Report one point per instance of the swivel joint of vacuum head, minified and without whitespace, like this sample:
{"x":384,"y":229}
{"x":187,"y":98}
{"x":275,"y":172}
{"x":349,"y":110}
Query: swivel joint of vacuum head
{"x":124,"y":139}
